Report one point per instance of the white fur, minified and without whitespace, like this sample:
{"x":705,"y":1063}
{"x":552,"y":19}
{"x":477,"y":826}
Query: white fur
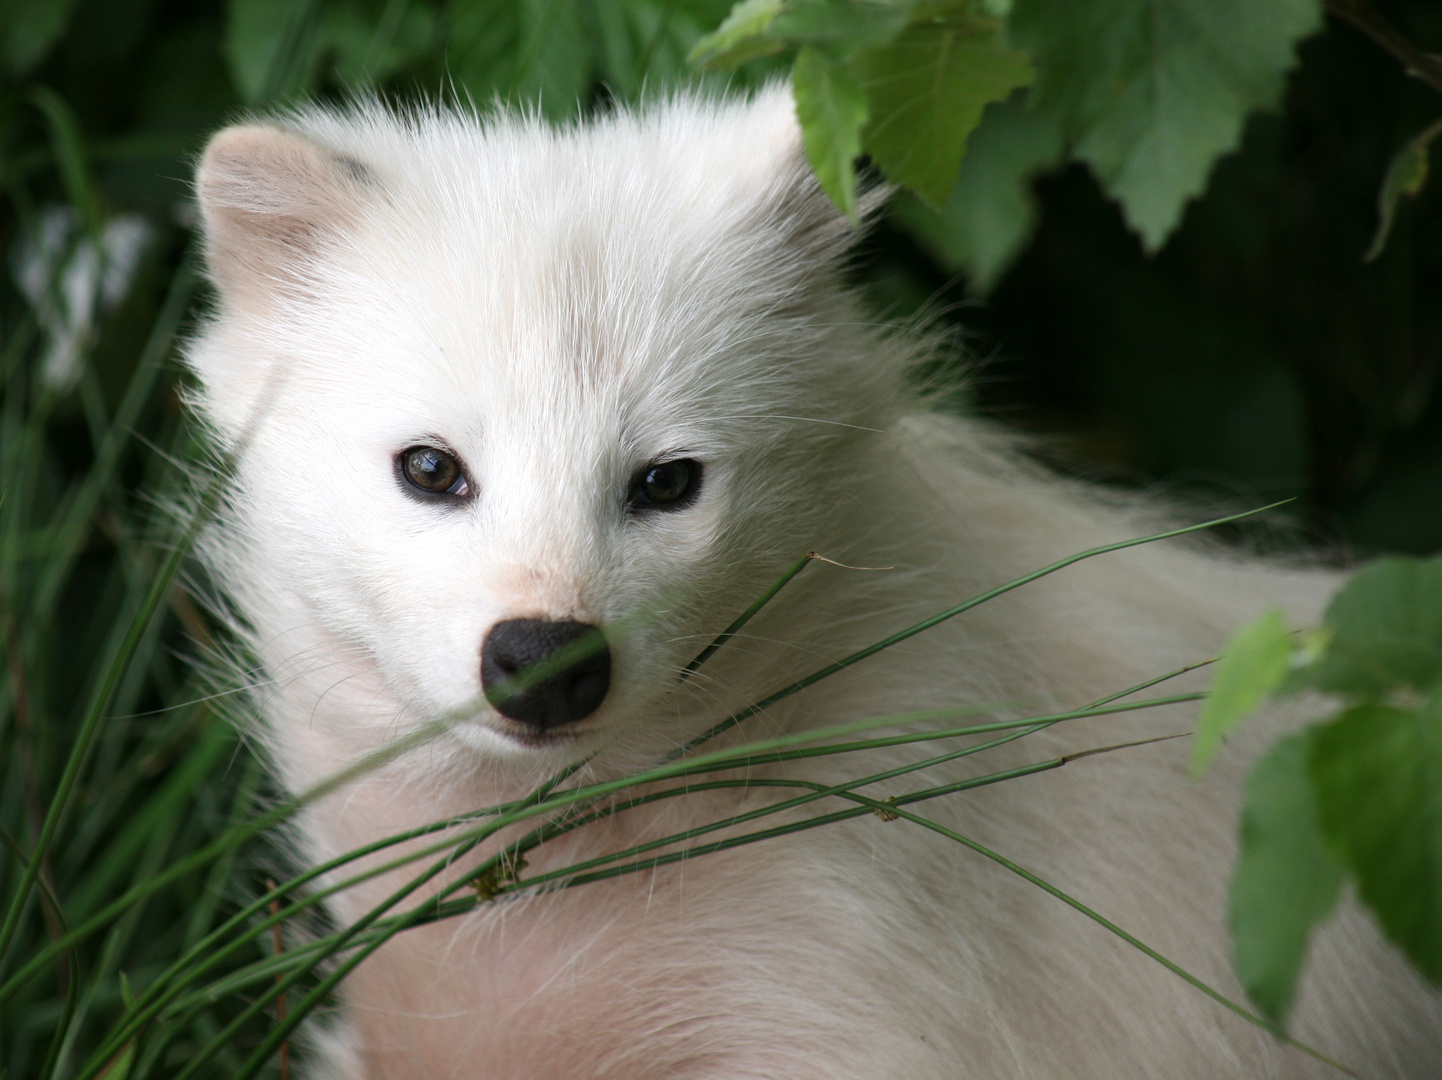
{"x":561,"y":307}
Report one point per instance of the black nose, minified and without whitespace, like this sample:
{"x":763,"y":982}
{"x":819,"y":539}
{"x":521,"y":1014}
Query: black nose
{"x":567,"y":688}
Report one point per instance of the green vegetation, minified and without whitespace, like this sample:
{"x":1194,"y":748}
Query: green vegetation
{"x":1358,"y":796}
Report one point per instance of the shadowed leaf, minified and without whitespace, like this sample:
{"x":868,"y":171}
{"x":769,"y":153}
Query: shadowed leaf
{"x":28,"y":31}
{"x":1254,"y":664}
{"x":991,"y":211}
{"x":831,"y":105}
{"x":1407,"y":175}
{"x":1385,"y":628}
{"x":1378,"y":776}
{"x":1152,"y":91}
{"x":1286,"y":881}
{"x":741,"y":36}
{"x":927,"y":90}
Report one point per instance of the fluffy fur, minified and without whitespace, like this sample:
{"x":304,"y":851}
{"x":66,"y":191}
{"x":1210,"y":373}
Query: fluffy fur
{"x":559,"y":307}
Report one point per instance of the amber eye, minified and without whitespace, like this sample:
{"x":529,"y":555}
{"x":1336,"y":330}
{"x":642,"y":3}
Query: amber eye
{"x":666,"y":485}
{"x":432,"y":471}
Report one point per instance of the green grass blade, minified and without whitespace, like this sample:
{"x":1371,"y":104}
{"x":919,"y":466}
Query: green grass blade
{"x":1134,"y":942}
{"x":950,"y":613}
{"x":747,"y":615}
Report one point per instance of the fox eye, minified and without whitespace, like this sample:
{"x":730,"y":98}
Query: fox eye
{"x":432,"y":471}
{"x":666,"y":485}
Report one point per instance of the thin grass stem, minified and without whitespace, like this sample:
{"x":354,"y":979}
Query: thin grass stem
{"x":1136,"y":943}
{"x":68,"y":959}
{"x":747,"y":615}
{"x":950,"y":613}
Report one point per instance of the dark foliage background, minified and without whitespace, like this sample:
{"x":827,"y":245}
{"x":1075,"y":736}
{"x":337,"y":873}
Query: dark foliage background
{"x":1256,"y":353}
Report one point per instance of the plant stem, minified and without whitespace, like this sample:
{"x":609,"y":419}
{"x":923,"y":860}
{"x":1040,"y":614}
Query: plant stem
{"x":1366,"y":18}
{"x":1135,"y":943}
{"x":951,"y":613}
{"x":745,"y":617}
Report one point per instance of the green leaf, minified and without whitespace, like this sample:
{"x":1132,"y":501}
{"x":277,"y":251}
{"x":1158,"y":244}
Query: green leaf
{"x":1385,"y":629}
{"x":1407,"y":175}
{"x":991,"y":211}
{"x":842,"y":28}
{"x":1151,"y":92}
{"x":1254,"y":663}
{"x":831,"y":105}
{"x":1286,"y":881}
{"x":1378,"y":776}
{"x":556,"y":61}
{"x":927,"y":90}
{"x":28,"y":31}
{"x":740,"y":37}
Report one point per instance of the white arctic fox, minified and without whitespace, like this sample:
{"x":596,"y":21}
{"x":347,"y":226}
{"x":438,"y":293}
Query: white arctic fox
{"x":491,"y":384}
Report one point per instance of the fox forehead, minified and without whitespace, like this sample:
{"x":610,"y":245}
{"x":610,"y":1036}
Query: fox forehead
{"x":661,"y":281}
{"x":471,"y":354}
{"x":500,"y":258}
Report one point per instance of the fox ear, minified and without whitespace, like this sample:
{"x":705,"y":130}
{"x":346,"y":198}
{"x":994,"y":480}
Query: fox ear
{"x":270,"y":198}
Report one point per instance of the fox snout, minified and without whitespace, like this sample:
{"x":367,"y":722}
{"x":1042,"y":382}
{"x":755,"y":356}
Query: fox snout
{"x":545,"y":673}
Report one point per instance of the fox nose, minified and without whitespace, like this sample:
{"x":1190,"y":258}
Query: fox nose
{"x":571,"y":692}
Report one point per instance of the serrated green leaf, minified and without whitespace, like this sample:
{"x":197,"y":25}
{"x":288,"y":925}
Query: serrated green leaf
{"x":831,"y":106}
{"x":1286,"y":881}
{"x":991,"y":211}
{"x":1384,"y":630}
{"x":1151,"y":92}
{"x":740,"y":37}
{"x":1378,"y":776}
{"x":1254,"y":663}
{"x":1406,"y":175}
{"x":927,"y":90}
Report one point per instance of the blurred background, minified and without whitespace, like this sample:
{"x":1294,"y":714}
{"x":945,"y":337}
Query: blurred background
{"x":1256,"y":356}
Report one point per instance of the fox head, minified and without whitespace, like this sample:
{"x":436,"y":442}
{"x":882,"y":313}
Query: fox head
{"x":498,"y":393}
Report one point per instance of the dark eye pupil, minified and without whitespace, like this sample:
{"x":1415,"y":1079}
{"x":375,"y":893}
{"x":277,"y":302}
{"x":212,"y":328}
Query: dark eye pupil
{"x":669,"y":484}
{"x":430,"y":469}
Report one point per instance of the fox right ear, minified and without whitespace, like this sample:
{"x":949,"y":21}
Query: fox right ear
{"x":270,"y":198}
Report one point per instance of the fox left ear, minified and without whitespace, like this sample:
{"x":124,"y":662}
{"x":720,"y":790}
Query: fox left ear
{"x":270,"y":199}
